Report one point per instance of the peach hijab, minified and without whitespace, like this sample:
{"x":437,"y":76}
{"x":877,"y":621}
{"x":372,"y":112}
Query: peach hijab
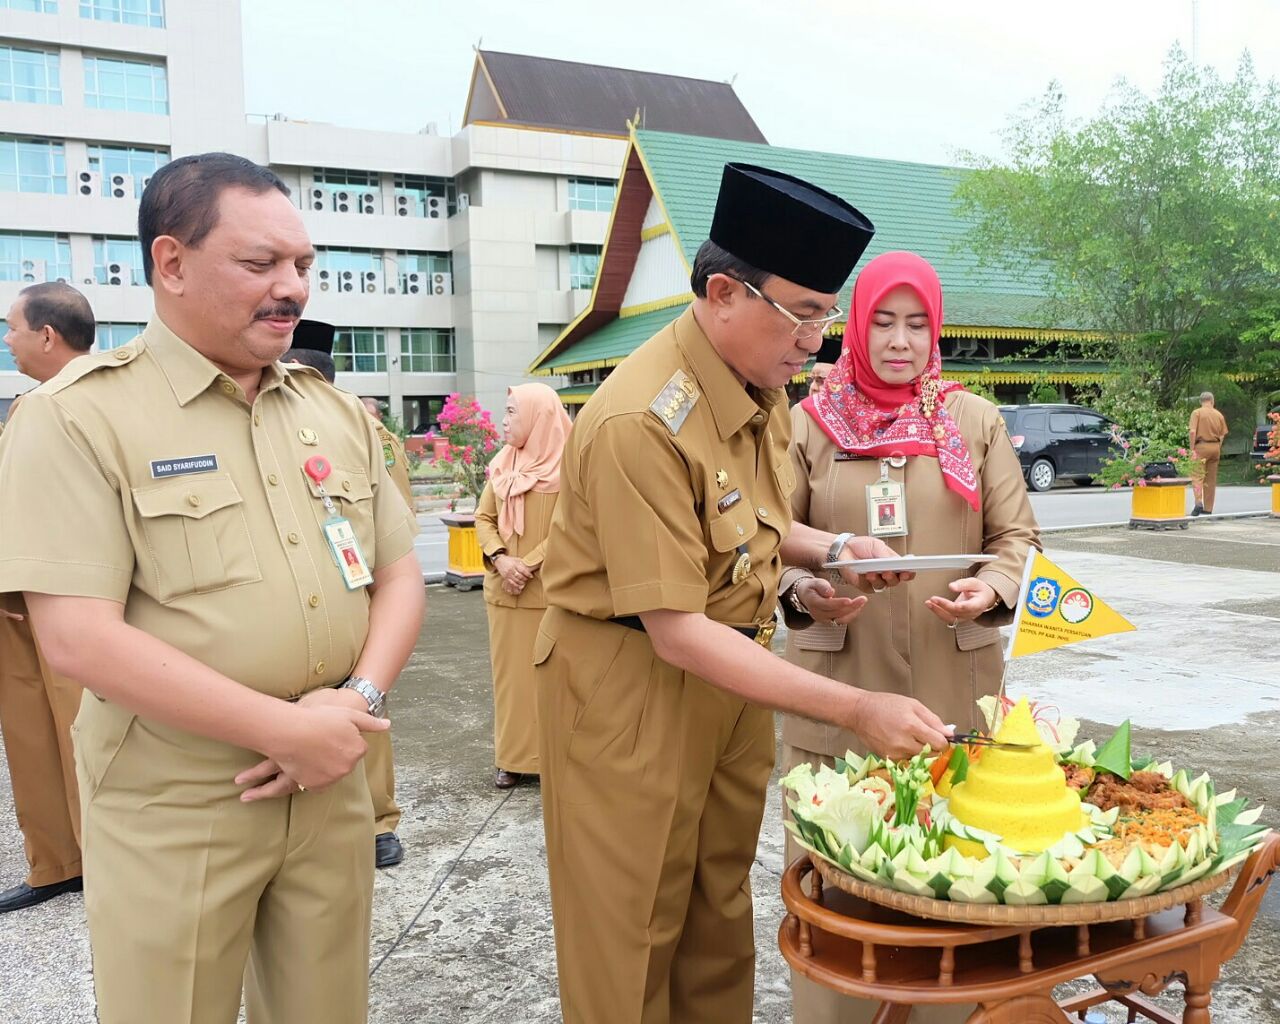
{"x":531,"y":463}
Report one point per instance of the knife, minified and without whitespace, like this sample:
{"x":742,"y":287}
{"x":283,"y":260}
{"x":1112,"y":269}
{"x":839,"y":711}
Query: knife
{"x":979,"y":740}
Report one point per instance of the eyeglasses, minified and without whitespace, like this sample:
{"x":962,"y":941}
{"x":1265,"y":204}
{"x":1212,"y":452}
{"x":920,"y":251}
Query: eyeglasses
{"x":800,"y":328}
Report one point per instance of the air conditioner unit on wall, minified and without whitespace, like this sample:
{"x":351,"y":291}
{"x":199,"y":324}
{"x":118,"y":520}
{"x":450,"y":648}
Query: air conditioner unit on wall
{"x":88,"y":183}
{"x":415,"y":283}
{"x":320,"y":199}
{"x":406,"y":205}
{"x":367,"y":202}
{"x":344,"y":200}
{"x":441,"y":284}
{"x":33,"y":272}
{"x":145,"y":182}
{"x":121,"y":186}
{"x":436,"y":207}
{"x":464,"y":200}
{"x":119,"y":273}
{"x":371,"y":281}
{"x":325,"y":280}
{"x":346,"y":280}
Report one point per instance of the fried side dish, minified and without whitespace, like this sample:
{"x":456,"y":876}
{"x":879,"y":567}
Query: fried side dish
{"x":1079,"y":777}
{"x":1144,"y":791}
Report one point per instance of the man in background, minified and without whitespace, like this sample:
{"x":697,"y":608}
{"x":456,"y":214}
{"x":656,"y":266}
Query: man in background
{"x":1207,"y":430}
{"x":49,"y":326}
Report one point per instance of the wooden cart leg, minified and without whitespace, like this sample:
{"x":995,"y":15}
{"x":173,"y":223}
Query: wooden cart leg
{"x":1199,"y":996}
{"x":1038,"y":1009}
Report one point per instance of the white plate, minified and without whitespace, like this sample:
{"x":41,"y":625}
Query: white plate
{"x":910,"y":563}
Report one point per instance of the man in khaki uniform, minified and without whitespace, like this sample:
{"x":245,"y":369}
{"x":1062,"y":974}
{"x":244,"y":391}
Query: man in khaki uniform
{"x":656,"y":741}
{"x":1207,"y":430}
{"x":312,"y":345}
{"x":200,"y":561}
{"x":49,"y":326}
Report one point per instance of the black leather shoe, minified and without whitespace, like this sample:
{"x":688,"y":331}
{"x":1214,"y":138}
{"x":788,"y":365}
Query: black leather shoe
{"x":1198,"y":511}
{"x":23,"y":895}
{"x":504,"y":779}
{"x":387,"y":850}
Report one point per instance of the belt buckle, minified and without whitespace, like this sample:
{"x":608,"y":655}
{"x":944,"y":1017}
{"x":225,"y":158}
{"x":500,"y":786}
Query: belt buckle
{"x":764,"y":635}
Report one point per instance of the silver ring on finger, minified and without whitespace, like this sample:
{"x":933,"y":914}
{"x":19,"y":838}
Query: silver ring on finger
{"x":301,"y":788}
{"x":952,"y":625}
{"x":877,"y":590}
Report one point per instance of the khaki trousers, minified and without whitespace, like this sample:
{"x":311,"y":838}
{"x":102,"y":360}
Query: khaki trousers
{"x":816,"y":1004}
{"x":193,"y":895}
{"x":653,"y":787}
{"x":512,"y":632}
{"x":37,"y":707}
{"x":1210,"y":453}
{"x":380,"y":774}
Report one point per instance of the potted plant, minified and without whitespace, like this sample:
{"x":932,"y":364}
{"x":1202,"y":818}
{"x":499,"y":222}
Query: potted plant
{"x":471,"y":442}
{"x":1159,"y":475}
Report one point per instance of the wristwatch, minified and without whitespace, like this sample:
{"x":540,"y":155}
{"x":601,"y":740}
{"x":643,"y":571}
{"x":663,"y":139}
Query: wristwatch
{"x":793,"y":595}
{"x":376,"y":698}
{"x":833,"y":555}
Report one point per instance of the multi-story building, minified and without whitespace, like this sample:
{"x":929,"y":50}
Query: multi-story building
{"x":447,"y":263}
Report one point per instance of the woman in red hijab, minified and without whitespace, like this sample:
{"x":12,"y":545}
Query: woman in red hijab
{"x":512,"y":522}
{"x":887,"y":447}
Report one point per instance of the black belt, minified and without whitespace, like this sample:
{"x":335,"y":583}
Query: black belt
{"x":762,"y":634}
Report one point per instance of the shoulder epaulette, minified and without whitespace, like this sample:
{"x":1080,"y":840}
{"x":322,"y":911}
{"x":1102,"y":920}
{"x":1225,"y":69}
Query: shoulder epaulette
{"x":82,"y":366}
{"x":675,"y":401}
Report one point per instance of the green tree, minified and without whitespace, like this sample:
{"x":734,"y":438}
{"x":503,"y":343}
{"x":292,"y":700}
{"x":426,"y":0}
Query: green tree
{"x":1154,"y":222}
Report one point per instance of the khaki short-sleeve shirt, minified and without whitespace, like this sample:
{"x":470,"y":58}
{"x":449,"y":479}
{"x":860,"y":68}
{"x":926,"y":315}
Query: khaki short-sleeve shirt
{"x":395,"y":460}
{"x":142,"y":475}
{"x":673,"y":470}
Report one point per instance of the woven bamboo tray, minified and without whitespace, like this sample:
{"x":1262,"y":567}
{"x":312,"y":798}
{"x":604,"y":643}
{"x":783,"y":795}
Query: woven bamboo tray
{"x":1000,"y":913}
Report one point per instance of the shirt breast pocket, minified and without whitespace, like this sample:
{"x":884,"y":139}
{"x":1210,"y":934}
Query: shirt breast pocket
{"x":736,"y":526}
{"x":197,"y":537}
{"x":352,"y":496}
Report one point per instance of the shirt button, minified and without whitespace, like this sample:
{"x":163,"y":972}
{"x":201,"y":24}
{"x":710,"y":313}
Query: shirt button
{"x":741,"y":531}
{"x":272,"y":479}
{"x":293,"y":538}
{"x":257,"y":420}
{"x":228,"y":387}
{"x":122,"y":355}
{"x":764,"y":512}
{"x":314,"y":600}
{"x":346,"y":485}
{"x":758,"y":418}
{"x":319,"y":668}
{"x":193,"y":500}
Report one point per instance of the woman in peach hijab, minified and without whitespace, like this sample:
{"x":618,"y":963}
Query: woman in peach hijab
{"x":512,"y":522}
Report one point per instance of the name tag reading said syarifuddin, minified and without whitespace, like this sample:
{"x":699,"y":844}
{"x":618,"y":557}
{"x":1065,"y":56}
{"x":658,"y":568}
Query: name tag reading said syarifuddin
{"x":161,"y":468}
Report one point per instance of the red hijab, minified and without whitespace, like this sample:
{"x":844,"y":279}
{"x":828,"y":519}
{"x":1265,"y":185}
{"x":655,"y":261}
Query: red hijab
{"x":863,"y":414}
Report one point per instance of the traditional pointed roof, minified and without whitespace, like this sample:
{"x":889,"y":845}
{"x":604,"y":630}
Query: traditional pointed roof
{"x":666,"y":197}
{"x":561,"y":95}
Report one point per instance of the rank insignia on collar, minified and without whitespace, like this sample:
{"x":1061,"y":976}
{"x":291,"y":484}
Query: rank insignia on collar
{"x":674,"y":402}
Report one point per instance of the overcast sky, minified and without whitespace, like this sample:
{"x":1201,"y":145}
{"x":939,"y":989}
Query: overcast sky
{"x":904,"y":79}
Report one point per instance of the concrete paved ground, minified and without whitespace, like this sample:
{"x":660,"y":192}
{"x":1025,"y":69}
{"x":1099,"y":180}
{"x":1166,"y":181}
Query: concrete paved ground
{"x":462,"y":929}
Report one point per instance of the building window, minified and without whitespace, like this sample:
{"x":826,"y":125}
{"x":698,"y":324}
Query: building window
{"x":584,"y":262}
{"x":427,"y":350}
{"x":31,"y":258}
{"x":29,"y":76}
{"x":420,"y":196}
{"x":591,"y":194}
{"x":132,"y":85}
{"x":137,"y":163}
{"x":344,"y":191}
{"x":32,"y":165}
{"x":432,"y":273}
{"x":148,"y":13}
{"x":115,"y":335}
{"x":38,"y":6}
{"x":360,"y":350}
{"x":348,"y":270}
{"x":118,"y":261}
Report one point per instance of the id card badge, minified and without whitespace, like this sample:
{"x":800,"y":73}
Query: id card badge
{"x":886,"y":506}
{"x":344,"y":546}
{"x":346,"y":553}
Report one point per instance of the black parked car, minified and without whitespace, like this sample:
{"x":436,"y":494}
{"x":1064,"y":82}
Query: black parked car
{"x":1052,"y":441}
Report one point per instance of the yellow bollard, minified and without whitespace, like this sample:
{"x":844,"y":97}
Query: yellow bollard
{"x":1160,"y":505}
{"x":1274,"y":479}
{"x":465,"y":569}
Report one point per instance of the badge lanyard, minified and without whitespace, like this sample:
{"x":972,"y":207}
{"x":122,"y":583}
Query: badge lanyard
{"x":887,"y":502}
{"x":344,"y":547}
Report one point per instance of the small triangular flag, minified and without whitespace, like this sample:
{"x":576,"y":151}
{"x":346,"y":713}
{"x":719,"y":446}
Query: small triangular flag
{"x":1054,"y":610}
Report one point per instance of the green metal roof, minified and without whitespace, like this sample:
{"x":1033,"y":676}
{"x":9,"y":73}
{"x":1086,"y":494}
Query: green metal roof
{"x":612,"y":342}
{"x":910,"y":204}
